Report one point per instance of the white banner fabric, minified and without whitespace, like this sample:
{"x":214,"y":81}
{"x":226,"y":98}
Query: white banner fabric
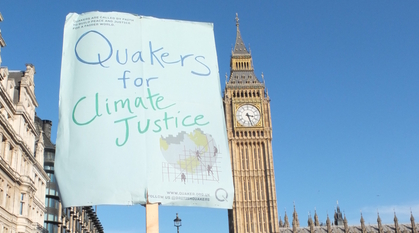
{"x":140,"y":113}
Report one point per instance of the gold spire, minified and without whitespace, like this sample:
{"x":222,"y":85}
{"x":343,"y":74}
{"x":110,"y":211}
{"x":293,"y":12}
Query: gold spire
{"x":310,"y":222}
{"x":363,"y":229}
{"x":396,"y":223}
{"x":316,"y":218}
{"x":345,"y":223}
{"x":241,"y":65}
{"x":281,"y":224}
{"x":237,"y":20}
{"x":286,"y":224}
{"x":412,"y":221}
{"x":295,"y":218}
{"x":329,"y":228}
{"x":380,"y":226}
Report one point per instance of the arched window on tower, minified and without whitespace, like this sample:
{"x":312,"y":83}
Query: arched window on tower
{"x":249,"y":189}
{"x":263,"y":189}
{"x":243,"y":158}
{"x":255,"y":155}
{"x":257,"y":190}
{"x":264,"y":217}
{"x":252,"y":222}
{"x":247,"y":221}
{"x":247,"y":158}
{"x":245,"y":191}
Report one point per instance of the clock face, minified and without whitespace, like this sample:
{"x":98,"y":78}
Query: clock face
{"x":248,"y":115}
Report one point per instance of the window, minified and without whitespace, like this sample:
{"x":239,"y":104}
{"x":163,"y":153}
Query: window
{"x":257,"y":189}
{"x":50,"y":190}
{"x":255,"y":154}
{"x":8,"y":187}
{"x":52,"y":228}
{"x":2,"y":145}
{"x":1,"y":191}
{"x":52,"y":203}
{"x":247,"y":221}
{"x":22,"y":203}
{"x":51,"y":217}
{"x":11,"y":157}
{"x":249,"y":189}
{"x":245,"y":190}
{"x":263,"y":189}
{"x":49,"y":156}
{"x":52,"y":177}
{"x":243,"y":159}
{"x":247,"y":159}
{"x":251,"y":222}
{"x":78,"y":226}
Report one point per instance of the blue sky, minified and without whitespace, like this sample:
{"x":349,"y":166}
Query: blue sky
{"x":343,"y":78}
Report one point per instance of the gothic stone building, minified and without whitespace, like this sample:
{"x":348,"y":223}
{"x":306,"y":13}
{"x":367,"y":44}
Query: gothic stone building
{"x":340,"y":225}
{"x":249,"y":130}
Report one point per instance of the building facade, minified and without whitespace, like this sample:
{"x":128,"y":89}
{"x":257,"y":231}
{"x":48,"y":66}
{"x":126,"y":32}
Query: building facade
{"x":57,"y":218}
{"x":249,"y":131}
{"x":340,"y":225}
{"x":28,"y":193}
{"x":22,"y":176}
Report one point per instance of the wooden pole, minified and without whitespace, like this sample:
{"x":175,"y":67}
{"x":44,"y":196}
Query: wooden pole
{"x":152,"y":217}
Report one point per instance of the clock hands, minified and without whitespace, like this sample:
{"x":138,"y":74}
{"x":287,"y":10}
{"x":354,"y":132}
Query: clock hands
{"x":248,"y":116}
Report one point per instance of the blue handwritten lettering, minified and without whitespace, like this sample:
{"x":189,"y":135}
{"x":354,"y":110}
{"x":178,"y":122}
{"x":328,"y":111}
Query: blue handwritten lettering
{"x":99,"y":61}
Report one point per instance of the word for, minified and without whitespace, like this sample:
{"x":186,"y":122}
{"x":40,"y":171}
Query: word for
{"x":138,"y":82}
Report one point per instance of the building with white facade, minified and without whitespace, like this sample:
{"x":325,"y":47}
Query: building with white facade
{"x":22,"y":176}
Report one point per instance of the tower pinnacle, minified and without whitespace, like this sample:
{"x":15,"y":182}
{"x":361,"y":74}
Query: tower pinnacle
{"x":237,"y":20}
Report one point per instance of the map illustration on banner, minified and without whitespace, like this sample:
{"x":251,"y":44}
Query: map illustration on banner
{"x":140,"y":113}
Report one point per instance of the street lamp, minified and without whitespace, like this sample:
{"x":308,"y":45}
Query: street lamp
{"x":177,"y":222}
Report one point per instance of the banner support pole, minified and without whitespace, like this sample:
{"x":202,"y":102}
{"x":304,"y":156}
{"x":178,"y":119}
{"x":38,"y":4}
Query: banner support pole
{"x":151,"y":217}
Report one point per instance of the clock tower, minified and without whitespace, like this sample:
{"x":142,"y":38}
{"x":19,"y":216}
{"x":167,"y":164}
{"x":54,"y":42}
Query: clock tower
{"x":249,"y":130}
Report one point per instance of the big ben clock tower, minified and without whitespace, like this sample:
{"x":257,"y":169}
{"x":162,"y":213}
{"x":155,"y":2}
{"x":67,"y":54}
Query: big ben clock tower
{"x":249,"y":130}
